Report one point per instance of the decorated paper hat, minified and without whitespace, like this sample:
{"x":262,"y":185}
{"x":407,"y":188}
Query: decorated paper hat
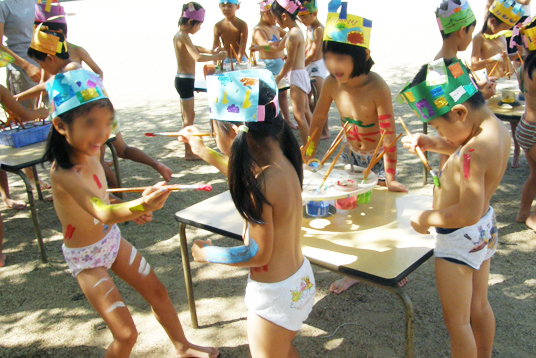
{"x":345,"y":28}
{"x":443,"y":88}
{"x":72,"y":89}
{"x":43,"y":12}
{"x":308,"y":7}
{"x":48,"y":41}
{"x":452,"y":15}
{"x":234,"y":96}
{"x":292,"y":6}
{"x":529,"y":35}
{"x":508,"y":11}
{"x":266,"y":5}
{"x":193,"y":14}
{"x":236,"y":2}
{"x":5,"y":59}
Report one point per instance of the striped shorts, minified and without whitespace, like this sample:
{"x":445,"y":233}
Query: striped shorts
{"x":526,"y":134}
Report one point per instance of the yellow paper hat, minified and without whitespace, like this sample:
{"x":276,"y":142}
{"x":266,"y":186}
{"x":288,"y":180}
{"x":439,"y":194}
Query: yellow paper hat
{"x":345,"y":28}
{"x":528,"y":34}
{"x":508,"y":11}
{"x":46,"y":42}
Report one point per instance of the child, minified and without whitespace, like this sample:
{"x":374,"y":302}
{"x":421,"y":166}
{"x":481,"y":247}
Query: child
{"x":490,"y":48}
{"x":265,"y":34}
{"x":187,"y":54}
{"x":314,"y":62}
{"x":232,"y":31}
{"x":265,"y":175}
{"x":466,"y":231}
{"x":362,"y":98}
{"x":526,"y":131}
{"x":82,"y":118}
{"x":285,"y":12}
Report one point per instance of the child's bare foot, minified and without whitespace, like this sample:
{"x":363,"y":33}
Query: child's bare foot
{"x":522,"y":217}
{"x":164,"y":171}
{"x":531,"y":222}
{"x":188,"y":154}
{"x":402,"y":282}
{"x":515,"y":161}
{"x":14,"y":204}
{"x":2,"y":259}
{"x":342,"y":285}
{"x":42,"y":184}
{"x":194,"y":351}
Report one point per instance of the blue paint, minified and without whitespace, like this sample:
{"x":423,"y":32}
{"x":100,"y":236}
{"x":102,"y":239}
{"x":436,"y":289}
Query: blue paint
{"x":317,"y":208}
{"x":231,"y":255}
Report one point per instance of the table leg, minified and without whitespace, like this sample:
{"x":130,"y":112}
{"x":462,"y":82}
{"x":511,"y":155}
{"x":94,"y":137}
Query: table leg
{"x":187,"y":274}
{"x":116,"y":168}
{"x":424,"y":171}
{"x":33,"y":210}
{"x":410,"y":320}
{"x":37,"y":184}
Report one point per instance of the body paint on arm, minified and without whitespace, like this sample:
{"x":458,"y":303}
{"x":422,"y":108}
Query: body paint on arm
{"x":231,"y":255}
{"x":220,"y":158}
{"x":100,"y":205}
{"x":96,"y":178}
{"x":466,"y":166}
{"x":69,"y":232}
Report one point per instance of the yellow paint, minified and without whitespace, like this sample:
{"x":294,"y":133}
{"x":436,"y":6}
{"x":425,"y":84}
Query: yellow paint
{"x":224,"y":100}
{"x":216,"y":100}
{"x":220,"y":158}
{"x":100,"y":205}
{"x":247,"y":103}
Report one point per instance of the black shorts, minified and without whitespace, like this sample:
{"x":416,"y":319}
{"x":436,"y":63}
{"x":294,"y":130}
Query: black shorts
{"x":184,"y":84}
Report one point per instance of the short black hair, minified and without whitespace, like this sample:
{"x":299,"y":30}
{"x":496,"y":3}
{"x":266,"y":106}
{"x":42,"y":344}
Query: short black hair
{"x":41,"y":56}
{"x":359,"y":55}
{"x":446,"y":36}
{"x":279,"y":10}
{"x":54,"y":26}
{"x":475,"y":101}
{"x":185,"y":21}
{"x":490,"y":16}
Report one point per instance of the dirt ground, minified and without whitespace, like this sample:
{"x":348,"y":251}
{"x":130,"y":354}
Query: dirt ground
{"x":44,"y":314}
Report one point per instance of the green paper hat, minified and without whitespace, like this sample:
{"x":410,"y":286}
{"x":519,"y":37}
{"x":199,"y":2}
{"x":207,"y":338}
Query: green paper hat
{"x":452,"y":15}
{"x":443,"y":88}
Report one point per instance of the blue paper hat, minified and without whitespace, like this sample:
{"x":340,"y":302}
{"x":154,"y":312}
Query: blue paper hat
{"x":234,"y":96}
{"x":72,"y":89}
{"x":236,"y":2}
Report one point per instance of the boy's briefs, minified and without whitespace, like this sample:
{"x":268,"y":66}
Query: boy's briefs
{"x":100,"y":254}
{"x":300,"y":79}
{"x":471,"y":245}
{"x":363,"y":159}
{"x":526,"y":134}
{"x":286,"y":303}
{"x":243,"y":59}
{"x":184,"y":84}
{"x":273,"y":65}
{"x":317,"y":69}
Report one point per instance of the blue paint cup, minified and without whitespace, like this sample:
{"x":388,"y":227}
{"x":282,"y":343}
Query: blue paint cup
{"x":317,"y":208}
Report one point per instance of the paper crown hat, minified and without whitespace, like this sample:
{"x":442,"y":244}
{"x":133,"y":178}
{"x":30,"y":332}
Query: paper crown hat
{"x":48,"y":42}
{"x":266,"y":5}
{"x":234,"y":96}
{"x":308,"y":7}
{"x":43,"y":12}
{"x":72,"y":89}
{"x":528,"y":34}
{"x":5,"y":59}
{"x":443,"y":88}
{"x":193,"y":14}
{"x":452,"y":15}
{"x":508,"y":11}
{"x":345,"y":28}
{"x":292,"y":6}
{"x":236,"y":2}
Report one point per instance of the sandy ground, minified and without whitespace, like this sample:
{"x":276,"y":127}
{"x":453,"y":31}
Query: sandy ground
{"x":42,"y":310}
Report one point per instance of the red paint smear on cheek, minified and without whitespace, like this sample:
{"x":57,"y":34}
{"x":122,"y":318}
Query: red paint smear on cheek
{"x":96,"y":178}
{"x":69,"y":232}
{"x":466,"y":166}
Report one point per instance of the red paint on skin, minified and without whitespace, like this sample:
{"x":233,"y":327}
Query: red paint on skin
{"x":69,"y":231}
{"x":390,"y":171}
{"x":389,"y":133}
{"x":96,"y":178}
{"x":466,"y":166}
{"x":471,"y":150}
{"x":384,"y":117}
{"x":354,"y":134}
{"x":392,"y":161}
{"x":391,"y":150}
{"x":259,"y":269}
{"x":385,"y":125}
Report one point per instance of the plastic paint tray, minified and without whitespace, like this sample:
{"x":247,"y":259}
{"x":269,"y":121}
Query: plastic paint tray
{"x":19,"y":137}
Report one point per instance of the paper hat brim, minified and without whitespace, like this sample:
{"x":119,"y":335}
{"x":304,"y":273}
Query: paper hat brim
{"x":47,"y":43}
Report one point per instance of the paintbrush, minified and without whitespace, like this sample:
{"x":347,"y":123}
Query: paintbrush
{"x":328,"y":172}
{"x":379,"y":157}
{"x":173,"y":187}
{"x":419,"y":151}
{"x":306,"y":146}
{"x":520,"y":59}
{"x":335,"y":143}
{"x":369,"y":167}
{"x":470,"y":69}
{"x":493,"y":69}
{"x":175,"y":134}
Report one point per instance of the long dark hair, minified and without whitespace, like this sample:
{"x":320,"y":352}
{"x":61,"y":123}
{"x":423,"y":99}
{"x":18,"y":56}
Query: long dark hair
{"x":57,"y":148}
{"x":246,"y":189}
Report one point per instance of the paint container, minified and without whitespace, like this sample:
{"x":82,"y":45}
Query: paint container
{"x":508,"y":94}
{"x":346,"y":203}
{"x":317,"y":208}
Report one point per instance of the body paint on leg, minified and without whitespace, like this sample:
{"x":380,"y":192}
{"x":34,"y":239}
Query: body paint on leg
{"x":144,"y":267}
{"x":115,"y":305}
{"x":104,"y":279}
{"x":107,"y":293}
{"x":132,"y":255}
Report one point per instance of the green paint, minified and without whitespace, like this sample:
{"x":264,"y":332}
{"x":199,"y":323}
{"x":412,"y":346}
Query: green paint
{"x":358,"y":123}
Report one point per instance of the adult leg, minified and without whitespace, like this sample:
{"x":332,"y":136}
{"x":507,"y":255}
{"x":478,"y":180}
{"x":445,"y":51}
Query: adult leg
{"x":6,"y":197}
{"x":137,"y":155}
{"x":517,"y":148}
{"x":300,"y":108}
{"x":103,"y":295}
{"x":529,"y":188}
{"x":454,"y":285}
{"x":268,"y":340}
{"x":136,"y":271}
{"x":285,"y":111}
{"x":2,"y":255}
{"x":188,"y":116}
{"x":482,"y":318}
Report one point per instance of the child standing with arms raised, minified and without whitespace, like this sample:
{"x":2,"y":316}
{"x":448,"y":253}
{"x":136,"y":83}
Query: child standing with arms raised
{"x":265,"y":175}
{"x":187,"y":55}
{"x":82,"y":120}
{"x":362,"y":98}
{"x":285,"y":12}
{"x":466,"y":231}
{"x":232,"y":31}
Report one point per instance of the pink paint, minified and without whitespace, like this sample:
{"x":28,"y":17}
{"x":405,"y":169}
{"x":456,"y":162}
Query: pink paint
{"x":392,"y":161}
{"x":391,"y":150}
{"x":69,"y":231}
{"x":384,"y":117}
{"x":385,"y":125}
{"x":390,"y":171}
{"x":471,"y":150}
{"x":96,"y":178}
{"x":466,"y":166}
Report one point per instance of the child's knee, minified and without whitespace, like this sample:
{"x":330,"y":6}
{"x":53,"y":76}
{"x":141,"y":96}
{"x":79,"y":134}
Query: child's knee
{"x":127,"y":335}
{"x":480,"y":307}
{"x":455,"y":321}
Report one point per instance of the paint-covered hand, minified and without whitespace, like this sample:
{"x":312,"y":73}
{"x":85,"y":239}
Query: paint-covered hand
{"x":395,"y":186}
{"x":155,"y":196}
{"x":418,"y":140}
{"x":145,"y":218}
{"x":186,"y":135}
{"x":222,"y":55}
{"x":418,"y":224}
{"x":198,"y":252}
